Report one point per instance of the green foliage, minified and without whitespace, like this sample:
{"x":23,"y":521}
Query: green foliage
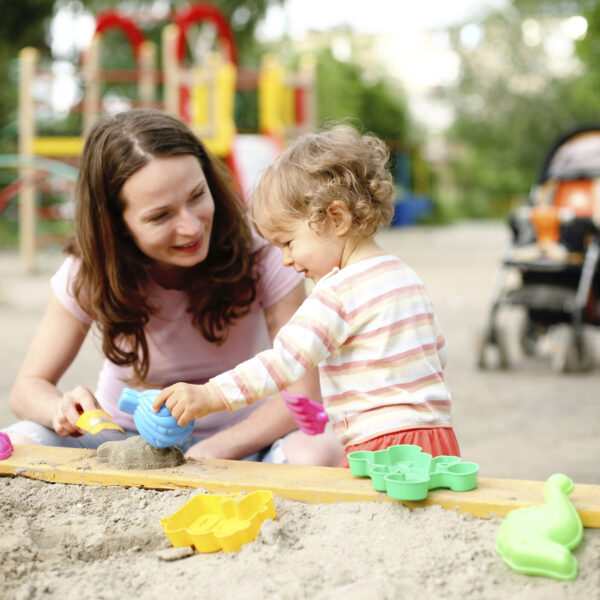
{"x":383,"y":110}
{"x":510,"y":108}
{"x":339,"y":86}
{"x":246,"y":111}
{"x":588,"y":49}
{"x":243,"y":17}
{"x":22,"y":23}
{"x":26,"y":23}
{"x":343,"y":94}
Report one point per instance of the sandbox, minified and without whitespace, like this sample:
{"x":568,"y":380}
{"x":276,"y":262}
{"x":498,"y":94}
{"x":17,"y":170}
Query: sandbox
{"x":95,"y":533}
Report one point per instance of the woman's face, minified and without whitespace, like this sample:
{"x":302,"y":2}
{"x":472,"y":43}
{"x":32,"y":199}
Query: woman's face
{"x":169,"y":211}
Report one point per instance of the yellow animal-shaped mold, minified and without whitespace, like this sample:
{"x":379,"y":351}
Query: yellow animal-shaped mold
{"x":212,"y":522}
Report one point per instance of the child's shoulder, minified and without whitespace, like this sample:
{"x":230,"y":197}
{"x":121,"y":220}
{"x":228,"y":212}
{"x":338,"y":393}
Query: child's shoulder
{"x":379,"y":263}
{"x":370,"y":270}
{"x":387,"y":271}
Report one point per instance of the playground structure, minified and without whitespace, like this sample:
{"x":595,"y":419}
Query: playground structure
{"x":200,"y":91}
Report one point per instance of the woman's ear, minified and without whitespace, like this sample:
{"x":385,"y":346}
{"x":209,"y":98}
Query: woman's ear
{"x":340,"y":217}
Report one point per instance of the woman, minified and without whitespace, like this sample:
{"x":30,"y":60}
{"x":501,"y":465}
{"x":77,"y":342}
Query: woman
{"x":165,"y":264}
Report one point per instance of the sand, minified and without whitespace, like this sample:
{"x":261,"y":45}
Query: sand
{"x":136,"y":453}
{"x":76,"y":542}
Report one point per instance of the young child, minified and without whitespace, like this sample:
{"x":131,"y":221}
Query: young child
{"x":368,"y":322}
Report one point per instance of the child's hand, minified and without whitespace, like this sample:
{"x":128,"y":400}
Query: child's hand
{"x":187,"y":401}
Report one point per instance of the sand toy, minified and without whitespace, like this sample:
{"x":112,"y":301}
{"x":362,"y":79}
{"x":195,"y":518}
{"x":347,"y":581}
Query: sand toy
{"x":212,"y":522}
{"x":6,"y":447}
{"x":97,"y":420}
{"x":538,"y":540}
{"x":309,"y":415}
{"x":405,"y":472}
{"x":158,"y":429}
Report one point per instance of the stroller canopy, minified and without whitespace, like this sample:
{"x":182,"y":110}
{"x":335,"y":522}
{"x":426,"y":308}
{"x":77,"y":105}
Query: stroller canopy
{"x":574,"y":156}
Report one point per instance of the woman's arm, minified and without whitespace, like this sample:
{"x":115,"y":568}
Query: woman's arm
{"x":272,"y":419}
{"x":54,"y":346}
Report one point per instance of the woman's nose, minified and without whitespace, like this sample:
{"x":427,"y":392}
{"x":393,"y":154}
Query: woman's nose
{"x":187,"y":222}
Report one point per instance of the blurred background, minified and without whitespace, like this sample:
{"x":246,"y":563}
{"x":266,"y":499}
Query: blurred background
{"x":470,"y":96}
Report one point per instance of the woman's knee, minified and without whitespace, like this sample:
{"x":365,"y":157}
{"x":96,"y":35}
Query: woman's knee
{"x":319,"y":450}
{"x":20,"y":438}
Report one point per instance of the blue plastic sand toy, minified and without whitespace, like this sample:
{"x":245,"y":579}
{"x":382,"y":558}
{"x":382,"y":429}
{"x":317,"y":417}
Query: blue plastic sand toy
{"x":158,"y":429}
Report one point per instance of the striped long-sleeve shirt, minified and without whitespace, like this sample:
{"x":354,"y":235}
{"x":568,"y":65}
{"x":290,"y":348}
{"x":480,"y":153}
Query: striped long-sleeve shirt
{"x":371,"y":329}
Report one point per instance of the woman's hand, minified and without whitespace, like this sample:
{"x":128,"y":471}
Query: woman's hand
{"x":187,"y":401}
{"x":70,"y":408}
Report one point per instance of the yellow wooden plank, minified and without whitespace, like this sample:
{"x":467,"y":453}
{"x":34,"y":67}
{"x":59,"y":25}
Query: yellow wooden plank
{"x":316,"y":485}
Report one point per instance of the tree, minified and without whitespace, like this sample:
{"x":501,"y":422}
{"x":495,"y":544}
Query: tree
{"x":375,"y":106}
{"x":512,"y":102}
{"x":26,"y":23}
{"x":23,"y":23}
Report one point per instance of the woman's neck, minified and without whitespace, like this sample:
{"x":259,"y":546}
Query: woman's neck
{"x":167,"y":276}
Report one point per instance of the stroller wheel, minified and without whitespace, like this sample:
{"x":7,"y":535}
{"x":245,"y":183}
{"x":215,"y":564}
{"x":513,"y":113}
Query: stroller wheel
{"x":567,"y":353}
{"x":493,"y":353}
{"x":529,"y":337}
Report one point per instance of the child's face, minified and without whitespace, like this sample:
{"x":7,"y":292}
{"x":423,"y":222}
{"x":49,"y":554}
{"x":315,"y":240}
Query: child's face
{"x":314,"y":254}
{"x":169,"y":211}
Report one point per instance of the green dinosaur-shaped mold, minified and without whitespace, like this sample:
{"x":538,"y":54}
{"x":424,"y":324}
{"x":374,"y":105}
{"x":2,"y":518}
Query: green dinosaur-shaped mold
{"x":538,"y":540}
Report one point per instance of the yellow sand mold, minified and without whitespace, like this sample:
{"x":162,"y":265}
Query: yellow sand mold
{"x":96,"y":420}
{"x":212,"y":522}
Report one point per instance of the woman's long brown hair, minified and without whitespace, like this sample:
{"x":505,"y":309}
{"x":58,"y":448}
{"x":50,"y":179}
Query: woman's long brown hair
{"x":111,"y":284}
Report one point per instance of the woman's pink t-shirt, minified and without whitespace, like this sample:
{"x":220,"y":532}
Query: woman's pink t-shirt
{"x":178,"y":352}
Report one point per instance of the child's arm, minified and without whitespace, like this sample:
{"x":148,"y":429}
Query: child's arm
{"x":316,"y":330}
{"x":187,"y":401}
{"x":310,"y":335}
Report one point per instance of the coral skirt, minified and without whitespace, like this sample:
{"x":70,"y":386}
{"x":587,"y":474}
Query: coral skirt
{"x":437,"y":441}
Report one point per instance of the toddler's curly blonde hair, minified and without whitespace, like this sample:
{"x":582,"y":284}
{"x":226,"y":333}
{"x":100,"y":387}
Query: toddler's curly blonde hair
{"x":318,"y":168}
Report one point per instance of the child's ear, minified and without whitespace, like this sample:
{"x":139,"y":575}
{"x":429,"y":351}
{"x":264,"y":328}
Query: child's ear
{"x":339,"y":217}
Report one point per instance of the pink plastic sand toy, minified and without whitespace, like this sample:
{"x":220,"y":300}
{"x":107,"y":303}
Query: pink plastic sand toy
{"x":310,"y":416}
{"x":6,"y":447}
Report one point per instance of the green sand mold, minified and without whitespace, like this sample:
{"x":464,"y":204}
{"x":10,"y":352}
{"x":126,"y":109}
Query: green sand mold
{"x":538,"y":540}
{"x":405,"y":472}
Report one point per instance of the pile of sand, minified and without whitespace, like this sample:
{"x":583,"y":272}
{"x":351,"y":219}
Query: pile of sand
{"x":83,"y":543}
{"x":136,"y":453}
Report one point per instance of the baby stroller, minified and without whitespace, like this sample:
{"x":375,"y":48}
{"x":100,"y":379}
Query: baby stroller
{"x":553,"y":260}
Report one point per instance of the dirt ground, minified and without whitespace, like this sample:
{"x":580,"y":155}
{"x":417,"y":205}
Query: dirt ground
{"x":525,"y":423}
{"x":86,"y":543}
